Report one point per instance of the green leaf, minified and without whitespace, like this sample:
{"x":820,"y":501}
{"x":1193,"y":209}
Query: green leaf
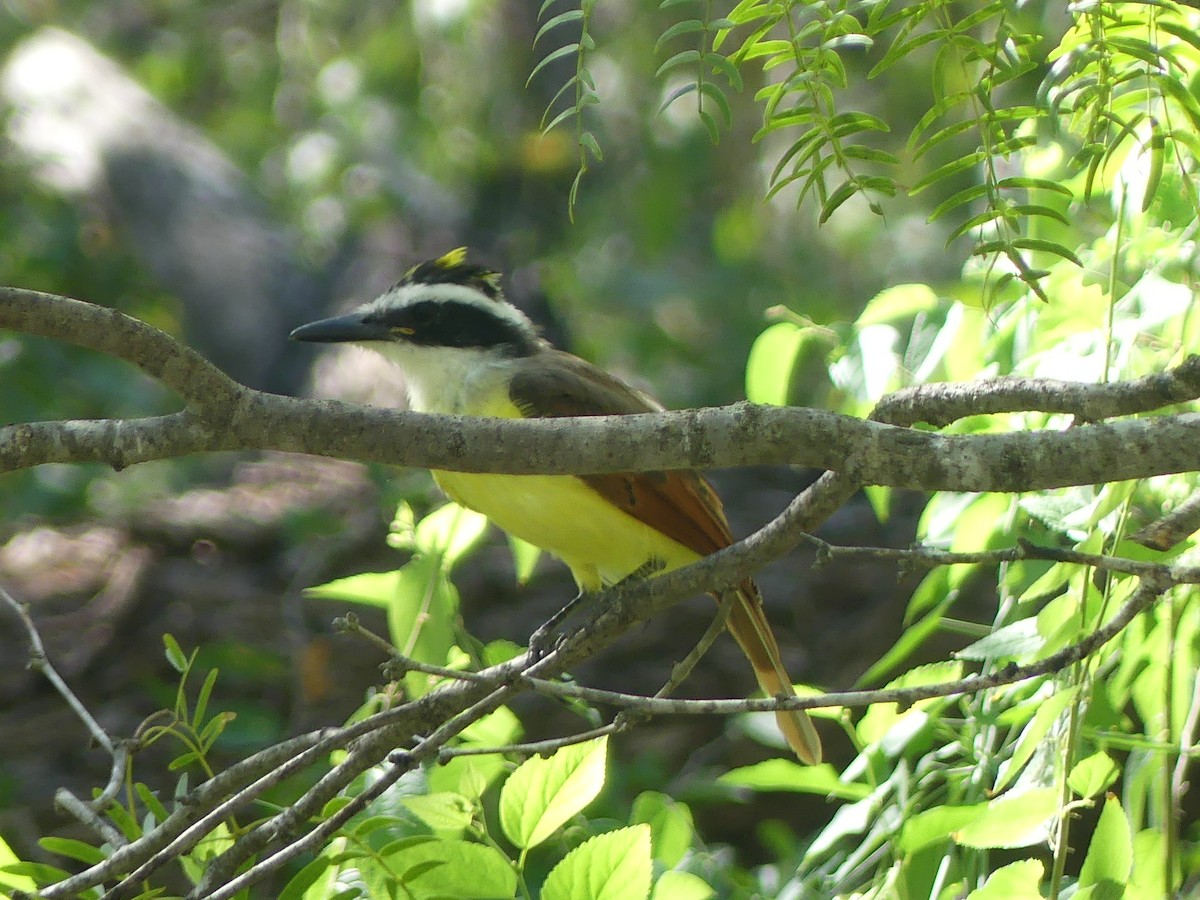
{"x":1016,"y":881}
{"x":915,"y":634}
{"x":836,"y":198}
{"x":771,"y":361}
{"x":683,"y":57}
{"x":676,"y":885}
{"x":1014,"y":820}
{"x":1035,"y":731}
{"x":525,"y":558}
{"x":441,"y":811}
{"x":449,"y":532}
{"x":452,"y":869}
{"x":1017,"y":639}
{"x":10,"y":880}
{"x":671,"y":827}
{"x":571,"y":15}
{"x":297,"y":888}
{"x":785,"y":775}
{"x":953,"y":167}
{"x":551,"y":57}
{"x":612,"y":866}
{"x":1110,"y":854}
{"x":937,"y":824}
{"x":1094,"y":774}
{"x":369,"y":589}
{"x":542,"y":794}
{"x":72,"y":849}
{"x":687,"y":26}
{"x":898,"y":304}
{"x":175,"y":655}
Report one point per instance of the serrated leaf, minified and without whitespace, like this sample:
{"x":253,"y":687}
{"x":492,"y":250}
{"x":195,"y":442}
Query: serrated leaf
{"x":542,"y":794}
{"x":611,"y":866}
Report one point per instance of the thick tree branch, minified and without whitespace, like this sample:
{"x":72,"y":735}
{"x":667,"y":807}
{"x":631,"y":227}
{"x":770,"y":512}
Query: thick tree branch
{"x":222,"y":415}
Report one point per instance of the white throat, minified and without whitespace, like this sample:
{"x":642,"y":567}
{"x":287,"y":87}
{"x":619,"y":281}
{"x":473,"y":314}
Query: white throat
{"x":449,"y":380}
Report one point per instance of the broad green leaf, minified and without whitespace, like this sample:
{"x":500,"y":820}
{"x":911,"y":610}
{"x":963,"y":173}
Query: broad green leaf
{"x":500,"y":726}
{"x":1110,"y":854}
{"x":467,"y":775}
{"x":1031,"y":737}
{"x":1094,"y":774}
{"x":611,"y":866}
{"x":1016,"y":881}
{"x":449,"y":870}
{"x":671,"y":827}
{"x":785,"y":775}
{"x":1014,"y":820}
{"x":442,"y":811}
{"x":542,"y":794}
{"x":675,"y":885}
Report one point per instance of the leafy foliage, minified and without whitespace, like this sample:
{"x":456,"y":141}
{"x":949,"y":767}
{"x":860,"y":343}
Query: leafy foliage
{"x":1116,"y":84}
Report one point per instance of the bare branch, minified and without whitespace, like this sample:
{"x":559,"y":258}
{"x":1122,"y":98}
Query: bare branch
{"x":225,"y":416}
{"x":944,"y":403}
{"x":40,"y":662}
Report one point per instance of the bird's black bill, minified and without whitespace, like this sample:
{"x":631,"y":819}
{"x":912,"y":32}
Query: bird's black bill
{"x":341,"y":329}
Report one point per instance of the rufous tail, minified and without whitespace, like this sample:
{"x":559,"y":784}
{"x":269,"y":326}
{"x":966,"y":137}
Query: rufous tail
{"x":749,"y":627}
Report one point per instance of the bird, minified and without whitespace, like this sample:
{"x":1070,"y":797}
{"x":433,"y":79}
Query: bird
{"x":464,"y":349}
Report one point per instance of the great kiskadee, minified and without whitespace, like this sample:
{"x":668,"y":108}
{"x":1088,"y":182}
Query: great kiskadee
{"x":466,"y":350}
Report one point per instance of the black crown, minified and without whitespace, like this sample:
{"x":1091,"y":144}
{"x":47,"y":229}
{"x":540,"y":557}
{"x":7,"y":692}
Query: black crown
{"x":453,"y":268}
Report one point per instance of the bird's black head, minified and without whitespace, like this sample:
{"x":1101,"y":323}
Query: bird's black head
{"x":443,"y":302}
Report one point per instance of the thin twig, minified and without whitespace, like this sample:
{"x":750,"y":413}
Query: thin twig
{"x":41,"y":663}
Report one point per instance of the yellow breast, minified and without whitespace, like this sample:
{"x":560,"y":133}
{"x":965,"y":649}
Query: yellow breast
{"x":562,"y":515}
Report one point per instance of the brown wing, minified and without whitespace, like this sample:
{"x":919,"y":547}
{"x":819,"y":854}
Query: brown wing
{"x":680,"y":504}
